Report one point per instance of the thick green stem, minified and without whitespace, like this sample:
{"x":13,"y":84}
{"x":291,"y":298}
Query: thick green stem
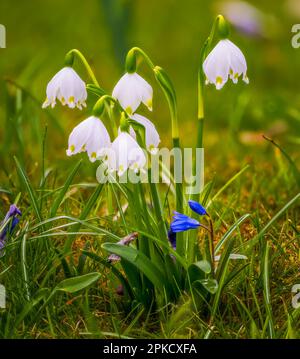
{"x":157,"y":208}
{"x":85,"y":63}
{"x":144,"y":55}
{"x":164,"y":82}
{"x":200,"y":98}
{"x":169,"y":92}
{"x":192,"y":238}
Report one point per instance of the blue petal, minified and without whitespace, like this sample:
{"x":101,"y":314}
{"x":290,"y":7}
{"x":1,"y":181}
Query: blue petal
{"x":181,"y":223}
{"x":12,"y":213}
{"x":196,"y":207}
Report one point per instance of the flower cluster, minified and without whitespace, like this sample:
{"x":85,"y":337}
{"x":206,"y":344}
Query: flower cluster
{"x":224,"y":61}
{"x":91,"y":135}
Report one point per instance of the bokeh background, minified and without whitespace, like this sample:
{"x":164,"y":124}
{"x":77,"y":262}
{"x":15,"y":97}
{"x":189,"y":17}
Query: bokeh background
{"x":39,"y":33}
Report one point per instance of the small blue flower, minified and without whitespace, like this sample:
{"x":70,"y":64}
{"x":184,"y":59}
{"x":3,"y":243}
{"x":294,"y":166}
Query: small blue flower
{"x":9,"y":227}
{"x":182,"y":223}
{"x":196,"y":207}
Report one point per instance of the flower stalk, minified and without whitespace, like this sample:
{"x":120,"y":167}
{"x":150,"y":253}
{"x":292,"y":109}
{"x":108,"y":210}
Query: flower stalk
{"x":69,"y":60}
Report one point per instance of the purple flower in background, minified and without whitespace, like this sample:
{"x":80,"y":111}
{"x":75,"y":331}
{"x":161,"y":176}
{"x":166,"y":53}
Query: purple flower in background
{"x":9,"y":222}
{"x":245,"y":17}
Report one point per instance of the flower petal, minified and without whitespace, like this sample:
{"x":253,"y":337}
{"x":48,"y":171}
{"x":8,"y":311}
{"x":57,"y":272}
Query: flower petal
{"x":152,"y":136}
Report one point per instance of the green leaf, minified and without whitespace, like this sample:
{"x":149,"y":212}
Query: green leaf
{"x":210,"y":284}
{"x":39,"y":296}
{"x":257,"y":238}
{"x":29,"y":188}
{"x":267,"y":292}
{"x":198,"y":270}
{"x":114,"y":270}
{"x":72,"y":285}
{"x":227,"y":184}
{"x":204,"y":266}
{"x":140,"y":261}
{"x":228,"y":234}
{"x":85,"y":212}
{"x":64,"y":190}
{"x":96,"y":90}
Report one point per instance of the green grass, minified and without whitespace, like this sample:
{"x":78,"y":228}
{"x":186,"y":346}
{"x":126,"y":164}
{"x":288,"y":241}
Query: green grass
{"x":58,"y":281}
{"x":253,"y":298}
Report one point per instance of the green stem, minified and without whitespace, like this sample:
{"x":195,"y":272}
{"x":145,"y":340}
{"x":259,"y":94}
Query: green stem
{"x":192,"y":237}
{"x":201,"y":76}
{"x":211,"y":245}
{"x":104,"y":103}
{"x":157,"y":208}
{"x":201,"y":82}
{"x":85,"y":63}
{"x":178,"y":185}
{"x":169,"y":92}
{"x":144,"y":55}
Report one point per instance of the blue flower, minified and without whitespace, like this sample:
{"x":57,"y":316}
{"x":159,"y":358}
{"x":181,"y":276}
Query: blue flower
{"x":9,"y":225}
{"x":182,"y":223}
{"x":196,"y":207}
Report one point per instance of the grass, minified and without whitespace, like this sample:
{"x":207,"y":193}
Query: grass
{"x":58,"y":281}
{"x":63,"y":216}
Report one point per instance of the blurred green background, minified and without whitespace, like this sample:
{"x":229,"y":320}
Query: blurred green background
{"x":39,"y":33}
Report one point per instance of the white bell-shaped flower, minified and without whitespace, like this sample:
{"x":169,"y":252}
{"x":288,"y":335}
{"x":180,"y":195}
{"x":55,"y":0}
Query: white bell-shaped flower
{"x":225,"y":61}
{"x":126,"y":154}
{"x":131,"y":90}
{"x":90,"y":136}
{"x":151,"y":134}
{"x":68,"y":88}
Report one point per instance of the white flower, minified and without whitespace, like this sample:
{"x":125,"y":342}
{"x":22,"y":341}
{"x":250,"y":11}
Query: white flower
{"x":68,"y":88}
{"x":90,"y":136}
{"x":126,"y":153}
{"x":225,"y":61}
{"x":151,"y":134}
{"x":131,"y":90}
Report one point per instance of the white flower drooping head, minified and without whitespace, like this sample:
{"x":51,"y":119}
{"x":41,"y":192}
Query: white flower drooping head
{"x":151,"y":134}
{"x":90,"y":136}
{"x":131,"y":90}
{"x":68,"y":88}
{"x":225,"y":61}
{"x":126,"y":153}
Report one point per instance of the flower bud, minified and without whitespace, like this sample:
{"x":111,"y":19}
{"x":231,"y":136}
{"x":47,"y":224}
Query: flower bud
{"x":223,"y":27}
{"x":69,"y":59}
{"x":99,"y":107}
{"x":124,"y":125}
{"x":130,"y":64}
